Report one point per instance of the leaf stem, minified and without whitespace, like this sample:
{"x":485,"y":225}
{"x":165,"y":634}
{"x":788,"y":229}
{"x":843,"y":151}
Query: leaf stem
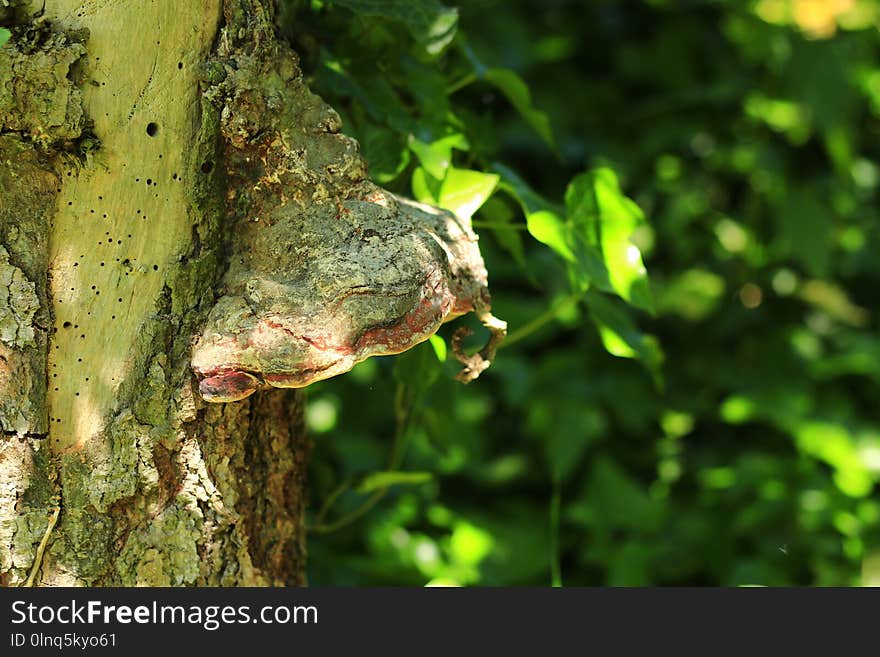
{"x":403,"y":404}
{"x":463,"y":82}
{"x":538,"y":322}
{"x":498,"y":225}
{"x":555,"y":566}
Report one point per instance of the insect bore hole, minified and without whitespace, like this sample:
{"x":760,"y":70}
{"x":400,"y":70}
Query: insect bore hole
{"x":152,"y":129}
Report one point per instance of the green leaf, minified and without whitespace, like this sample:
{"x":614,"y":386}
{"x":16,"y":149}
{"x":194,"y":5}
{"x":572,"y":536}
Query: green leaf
{"x":439,"y":345}
{"x":549,"y":228}
{"x":371,"y":89}
{"x":517,"y":92}
{"x":833,"y":444}
{"x":385,"y":152}
{"x":499,"y":216}
{"x":463,"y":191}
{"x":389,"y":478}
{"x":604,"y":218}
{"x":621,"y":337}
{"x":425,"y":187}
{"x":430,"y":22}
{"x":436,"y":157}
{"x":4,"y":35}
{"x":544,"y":220}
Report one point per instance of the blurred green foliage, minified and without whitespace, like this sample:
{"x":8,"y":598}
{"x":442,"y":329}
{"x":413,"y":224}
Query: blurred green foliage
{"x":715,"y":425}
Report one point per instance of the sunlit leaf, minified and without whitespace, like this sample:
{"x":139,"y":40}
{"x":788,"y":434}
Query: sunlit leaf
{"x":621,"y":337}
{"x":425,"y":187}
{"x":544,"y":221}
{"x":4,"y":35}
{"x":469,"y":544}
{"x":606,"y":219}
{"x":549,"y":228}
{"x":436,"y":156}
{"x":439,"y":345}
{"x":833,"y":444}
{"x":463,"y":191}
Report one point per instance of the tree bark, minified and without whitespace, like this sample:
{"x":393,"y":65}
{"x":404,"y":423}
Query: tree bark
{"x":113,"y":229}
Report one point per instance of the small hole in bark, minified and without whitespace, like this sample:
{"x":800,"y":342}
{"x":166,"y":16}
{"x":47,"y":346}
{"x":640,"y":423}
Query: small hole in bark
{"x":207,"y":166}
{"x":149,"y":182}
{"x":152,"y":129}
{"x":179,"y":65}
{"x":66,"y":325}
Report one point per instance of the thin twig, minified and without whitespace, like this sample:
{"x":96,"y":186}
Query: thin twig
{"x":539,"y":321}
{"x":41,"y":548}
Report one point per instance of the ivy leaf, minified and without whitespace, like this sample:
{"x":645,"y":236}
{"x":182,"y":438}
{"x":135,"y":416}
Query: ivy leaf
{"x":372,"y":91}
{"x":389,"y":478}
{"x":461,"y":191}
{"x":436,"y":157}
{"x":621,"y":337}
{"x":604,"y":218}
{"x":4,"y":35}
{"x":498,"y":216}
{"x":385,"y":152}
{"x":517,"y":92}
{"x":544,"y":220}
{"x":425,"y":187}
{"x":430,"y":22}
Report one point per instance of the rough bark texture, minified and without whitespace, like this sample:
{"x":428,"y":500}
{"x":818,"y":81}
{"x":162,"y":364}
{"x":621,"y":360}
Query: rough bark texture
{"x":327,"y":269}
{"x":113,"y":230}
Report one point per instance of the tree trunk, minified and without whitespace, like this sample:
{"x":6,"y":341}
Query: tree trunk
{"x":113,"y":229}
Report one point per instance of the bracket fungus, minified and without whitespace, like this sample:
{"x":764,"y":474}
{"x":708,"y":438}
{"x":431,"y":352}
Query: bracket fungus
{"x":326,"y":268}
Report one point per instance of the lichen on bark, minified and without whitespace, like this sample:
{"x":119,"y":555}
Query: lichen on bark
{"x":28,"y":187}
{"x":40,"y":76}
{"x":153,"y":488}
